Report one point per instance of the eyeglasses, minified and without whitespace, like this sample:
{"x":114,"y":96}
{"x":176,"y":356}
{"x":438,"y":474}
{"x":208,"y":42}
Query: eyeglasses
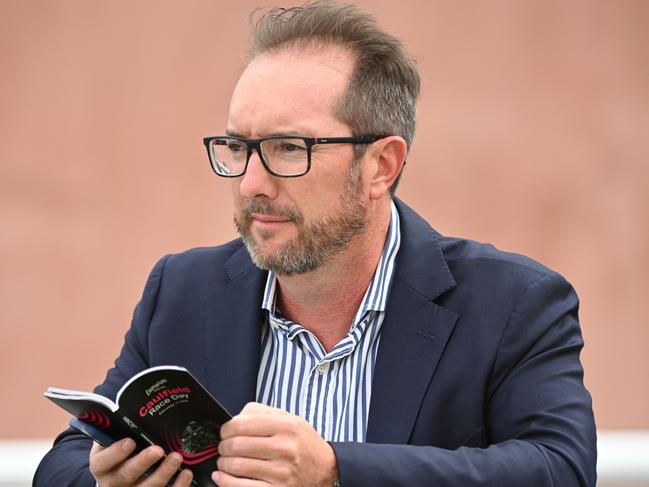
{"x":286,"y":157}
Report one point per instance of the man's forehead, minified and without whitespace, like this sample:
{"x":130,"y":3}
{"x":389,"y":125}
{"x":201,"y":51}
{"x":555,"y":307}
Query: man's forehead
{"x":289,"y":86}
{"x":307,"y":52}
{"x":333,"y":62}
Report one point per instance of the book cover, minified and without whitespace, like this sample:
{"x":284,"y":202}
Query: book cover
{"x":163,"y":405}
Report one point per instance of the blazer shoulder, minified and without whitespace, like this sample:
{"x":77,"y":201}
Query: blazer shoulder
{"x":206,"y":255}
{"x":204,"y":264}
{"x":468,"y":257}
{"x":454,"y":264}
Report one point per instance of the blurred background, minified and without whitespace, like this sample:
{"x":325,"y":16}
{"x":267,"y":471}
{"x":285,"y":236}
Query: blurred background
{"x":533,"y":134}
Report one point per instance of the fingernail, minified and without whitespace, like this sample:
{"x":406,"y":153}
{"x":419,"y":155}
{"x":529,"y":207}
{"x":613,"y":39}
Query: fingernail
{"x":128,"y":444}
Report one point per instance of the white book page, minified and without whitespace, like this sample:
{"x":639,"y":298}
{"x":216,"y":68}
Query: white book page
{"x":68,"y":394}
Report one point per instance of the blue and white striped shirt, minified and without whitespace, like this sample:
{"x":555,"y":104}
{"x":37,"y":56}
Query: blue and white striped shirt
{"x":330,"y":390}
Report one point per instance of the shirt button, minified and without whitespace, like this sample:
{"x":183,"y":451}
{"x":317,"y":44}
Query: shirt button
{"x":323,"y":367}
{"x":274,"y":325}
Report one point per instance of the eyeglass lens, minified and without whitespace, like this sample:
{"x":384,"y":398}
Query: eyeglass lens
{"x":286,"y":156}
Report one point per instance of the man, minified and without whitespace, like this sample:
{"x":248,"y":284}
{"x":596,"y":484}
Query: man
{"x":358,"y":346}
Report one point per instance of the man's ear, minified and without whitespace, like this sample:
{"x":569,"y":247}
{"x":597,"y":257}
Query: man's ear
{"x":389,"y":156}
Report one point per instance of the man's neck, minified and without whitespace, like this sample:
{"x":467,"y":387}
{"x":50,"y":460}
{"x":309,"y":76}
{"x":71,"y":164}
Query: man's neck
{"x":326,"y":300}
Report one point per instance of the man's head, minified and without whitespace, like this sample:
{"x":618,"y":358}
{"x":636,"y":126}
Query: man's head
{"x":321,"y":70}
{"x":382,"y":92}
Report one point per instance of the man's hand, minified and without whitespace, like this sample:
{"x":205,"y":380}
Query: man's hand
{"x":112,"y":466}
{"x":265,"y":446}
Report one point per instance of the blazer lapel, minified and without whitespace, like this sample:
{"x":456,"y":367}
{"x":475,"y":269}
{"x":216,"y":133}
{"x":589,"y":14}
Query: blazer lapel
{"x":414,"y":332}
{"x":232,"y":319}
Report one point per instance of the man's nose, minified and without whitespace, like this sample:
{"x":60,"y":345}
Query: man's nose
{"x":257,"y":181}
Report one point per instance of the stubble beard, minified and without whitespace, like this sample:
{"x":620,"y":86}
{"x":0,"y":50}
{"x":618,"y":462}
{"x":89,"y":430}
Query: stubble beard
{"x":316,"y":243}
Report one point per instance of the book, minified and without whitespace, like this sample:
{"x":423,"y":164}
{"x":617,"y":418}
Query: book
{"x":163,"y":406}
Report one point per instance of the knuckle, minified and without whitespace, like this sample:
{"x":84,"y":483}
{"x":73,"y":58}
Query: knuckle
{"x":229,"y":428}
{"x":183,"y":480}
{"x":289,"y":451}
{"x":284,"y":472}
{"x":96,"y":465}
{"x":234,"y":445}
{"x":223,"y":463}
{"x":225,"y":447}
{"x":295,"y":424}
{"x":235,"y":466}
{"x":124,"y":476}
{"x":93,"y":468}
{"x":249,"y":407}
{"x":301,"y":423}
{"x":165,"y":471}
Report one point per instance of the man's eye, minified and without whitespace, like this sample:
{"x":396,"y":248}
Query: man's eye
{"x":288,"y":147}
{"x":235,"y":147}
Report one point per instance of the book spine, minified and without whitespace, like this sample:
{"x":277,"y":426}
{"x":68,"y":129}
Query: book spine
{"x":136,"y":431}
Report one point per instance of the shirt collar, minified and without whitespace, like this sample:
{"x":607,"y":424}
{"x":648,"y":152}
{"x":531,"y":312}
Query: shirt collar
{"x":376,"y":295}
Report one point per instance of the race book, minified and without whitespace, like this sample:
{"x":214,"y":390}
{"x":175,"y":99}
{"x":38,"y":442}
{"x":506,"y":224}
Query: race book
{"x":163,"y":406}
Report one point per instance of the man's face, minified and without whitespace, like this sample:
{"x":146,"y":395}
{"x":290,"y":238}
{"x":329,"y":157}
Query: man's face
{"x":295,"y":225}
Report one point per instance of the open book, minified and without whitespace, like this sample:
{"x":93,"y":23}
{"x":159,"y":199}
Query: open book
{"x":163,"y":406}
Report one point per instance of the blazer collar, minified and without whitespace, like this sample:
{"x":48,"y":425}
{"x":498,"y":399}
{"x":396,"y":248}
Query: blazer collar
{"x":414,"y":333}
{"x":421,"y":263}
{"x":232,"y":322}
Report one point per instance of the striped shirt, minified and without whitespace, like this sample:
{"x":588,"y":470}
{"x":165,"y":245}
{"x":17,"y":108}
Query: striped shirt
{"x":330,"y":390}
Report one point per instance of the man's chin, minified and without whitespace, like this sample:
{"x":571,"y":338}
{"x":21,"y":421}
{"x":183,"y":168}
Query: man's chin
{"x":261,"y":248}
{"x":264,"y":261}
{"x":265,"y":253}
{"x":273,"y":258}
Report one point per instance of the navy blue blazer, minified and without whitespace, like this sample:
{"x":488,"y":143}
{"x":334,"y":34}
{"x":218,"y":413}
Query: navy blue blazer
{"x":477,"y":382}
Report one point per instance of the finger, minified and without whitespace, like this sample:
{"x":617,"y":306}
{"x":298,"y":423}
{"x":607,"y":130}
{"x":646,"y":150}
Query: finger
{"x":133,"y":468}
{"x":253,"y":468}
{"x":96,"y":447}
{"x":184,"y":479}
{"x":256,"y":425}
{"x":103,"y":460}
{"x":261,"y":447}
{"x":223,"y":479}
{"x":164,"y":471}
{"x":258,"y":408}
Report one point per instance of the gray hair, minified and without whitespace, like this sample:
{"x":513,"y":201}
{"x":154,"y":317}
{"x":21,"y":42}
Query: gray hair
{"x":384,"y":85}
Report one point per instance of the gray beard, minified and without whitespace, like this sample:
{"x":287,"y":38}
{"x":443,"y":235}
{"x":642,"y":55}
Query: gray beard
{"x":316,"y":243}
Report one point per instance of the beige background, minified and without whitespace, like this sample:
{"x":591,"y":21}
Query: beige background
{"x":533,"y":134}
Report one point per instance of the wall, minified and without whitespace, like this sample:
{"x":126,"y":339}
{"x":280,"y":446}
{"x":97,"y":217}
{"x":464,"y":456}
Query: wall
{"x":533,"y":134}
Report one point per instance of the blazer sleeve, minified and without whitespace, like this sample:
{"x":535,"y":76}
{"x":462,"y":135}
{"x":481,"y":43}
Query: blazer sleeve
{"x":538,"y":415}
{"x":66,"y":464}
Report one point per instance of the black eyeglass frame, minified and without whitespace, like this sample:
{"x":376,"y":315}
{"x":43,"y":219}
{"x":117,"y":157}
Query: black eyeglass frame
{"x":255,"y":144}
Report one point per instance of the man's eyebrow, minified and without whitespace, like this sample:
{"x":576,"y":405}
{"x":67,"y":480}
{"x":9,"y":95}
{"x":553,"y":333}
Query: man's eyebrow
{"x":284,"y":133}
{"x":290,"y":133}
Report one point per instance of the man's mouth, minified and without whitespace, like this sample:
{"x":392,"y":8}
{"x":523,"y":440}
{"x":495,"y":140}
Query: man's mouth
{"x":265,"y":218}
